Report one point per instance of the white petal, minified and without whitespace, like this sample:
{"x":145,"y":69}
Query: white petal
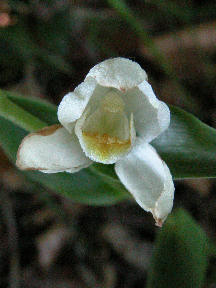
{"x":148,"y":178}
{"x":51,"y":150}
{"x":120,"y":73}
{"x":151,"y":116}
{"x":74,"y":103}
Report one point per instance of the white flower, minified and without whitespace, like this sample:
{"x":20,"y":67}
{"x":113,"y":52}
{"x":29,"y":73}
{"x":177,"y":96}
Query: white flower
{"x":111,"y":117}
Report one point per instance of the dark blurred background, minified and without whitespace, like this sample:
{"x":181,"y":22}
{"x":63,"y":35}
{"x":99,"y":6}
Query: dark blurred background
{"x":46,"y":49}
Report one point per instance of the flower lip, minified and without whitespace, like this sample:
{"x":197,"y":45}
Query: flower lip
{"x":105,"y":146}
{"x":106,"y":134}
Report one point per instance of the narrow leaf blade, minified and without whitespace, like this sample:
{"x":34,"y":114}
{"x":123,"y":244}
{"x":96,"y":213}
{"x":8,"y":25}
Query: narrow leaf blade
{"x":188,"y":146}
{"x":181,"y":254}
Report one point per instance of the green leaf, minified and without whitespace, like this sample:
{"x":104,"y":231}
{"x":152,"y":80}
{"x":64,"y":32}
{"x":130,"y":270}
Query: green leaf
{"x":188,"y":146}
{"x":181,"y":254}
{"x":39,"y":108}
{"x":26,"y":46}
{"x":19,"y":116}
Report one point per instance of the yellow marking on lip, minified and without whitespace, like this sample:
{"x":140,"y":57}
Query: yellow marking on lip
{"x":105,"y":146}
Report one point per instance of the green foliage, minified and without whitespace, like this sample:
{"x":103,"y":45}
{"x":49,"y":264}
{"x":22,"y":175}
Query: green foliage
{"x":181,"y":254}
{"x":19,"y":116}
{"x":188,"y":146}
{"x":35,"y":42}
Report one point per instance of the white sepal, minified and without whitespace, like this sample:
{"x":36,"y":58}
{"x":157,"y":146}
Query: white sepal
{"x":148,"y":179}
{"x":51,"y":150}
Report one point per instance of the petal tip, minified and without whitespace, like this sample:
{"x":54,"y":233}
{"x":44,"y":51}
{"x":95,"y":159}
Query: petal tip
{"x":159,"y":222}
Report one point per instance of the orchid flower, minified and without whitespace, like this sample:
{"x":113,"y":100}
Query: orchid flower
{"x":111,"y":117}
